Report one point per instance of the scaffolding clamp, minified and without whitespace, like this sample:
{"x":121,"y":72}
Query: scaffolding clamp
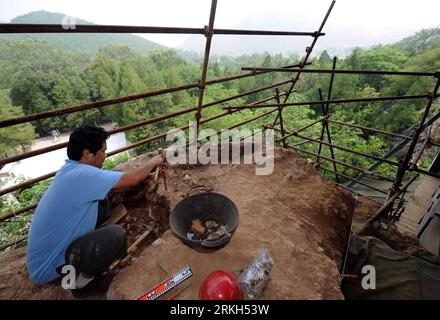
{"x":201,"y":85}
{"x":316,"y":34}
{"x":207,"y":32}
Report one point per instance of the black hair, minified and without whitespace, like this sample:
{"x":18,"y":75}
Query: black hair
{"x":87,"y":137}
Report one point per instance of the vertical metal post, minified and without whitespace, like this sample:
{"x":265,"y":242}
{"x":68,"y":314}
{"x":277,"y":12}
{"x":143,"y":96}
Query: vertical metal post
{"x":404,"y":165}
{"x":321,"y":137}
{"x":277,"y":98}
{"x":325,"y":121}
{"x":280,"y":115}
{"x":325,"y":127}
{"x":208,"y":34}
{"x":330,"y":88}
{"x":308,"y":52}
{"x":310,"y":49}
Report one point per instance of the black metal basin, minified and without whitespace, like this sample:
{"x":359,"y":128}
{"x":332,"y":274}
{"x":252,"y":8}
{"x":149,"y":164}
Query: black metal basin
{"x":204,"y":206}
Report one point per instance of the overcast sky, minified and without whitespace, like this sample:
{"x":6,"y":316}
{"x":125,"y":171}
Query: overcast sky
{"x":384,"y":20}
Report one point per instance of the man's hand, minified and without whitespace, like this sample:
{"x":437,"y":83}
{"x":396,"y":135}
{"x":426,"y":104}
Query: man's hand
{"x":135,"y":176}
{"x":156,"y":160}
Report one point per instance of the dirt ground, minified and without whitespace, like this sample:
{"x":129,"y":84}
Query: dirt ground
{"x":300,"y":217}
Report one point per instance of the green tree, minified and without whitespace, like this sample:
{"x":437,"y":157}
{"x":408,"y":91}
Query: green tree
{"x":16,"y":138}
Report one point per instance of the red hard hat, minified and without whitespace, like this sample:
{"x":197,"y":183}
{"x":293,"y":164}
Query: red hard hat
{"x":220,"y":285}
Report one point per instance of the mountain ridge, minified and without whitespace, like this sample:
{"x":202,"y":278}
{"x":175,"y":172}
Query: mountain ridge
{"x":87,"y":44}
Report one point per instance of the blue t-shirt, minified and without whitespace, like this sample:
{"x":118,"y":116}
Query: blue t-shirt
{"x":68,"y":210}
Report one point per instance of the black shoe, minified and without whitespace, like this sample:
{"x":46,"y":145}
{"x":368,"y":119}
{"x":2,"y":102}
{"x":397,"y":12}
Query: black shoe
{"x":96,"y":289}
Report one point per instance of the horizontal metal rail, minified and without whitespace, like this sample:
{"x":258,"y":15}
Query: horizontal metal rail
{"x":362,"y":72}
{"x":27,"y":183}
{"x":366,"y":155}
{"x":295,"y":133}
{"x":336,"y":101}
{"x":350,"y":178}
{"x":249,"y":74}
{"x":18,"y":212}
{"x":243,"y":123}
{"x":371,"y":129}
{"x":372,"y":198}
{"x":419,"y":154}
{"x":92,"y":105}
{"x":84,"y":28}
{"x":253,"y":119}
{"x":342,"y":163}
{"x":18,"y":240}
{"x":278,"y":130}
{"x":300,"y":143}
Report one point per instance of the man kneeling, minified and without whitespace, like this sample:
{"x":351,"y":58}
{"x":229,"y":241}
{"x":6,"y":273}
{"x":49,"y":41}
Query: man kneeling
{"x":66,"y":229}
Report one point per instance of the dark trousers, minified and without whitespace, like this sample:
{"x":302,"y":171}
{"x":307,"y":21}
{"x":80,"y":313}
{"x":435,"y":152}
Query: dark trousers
{"x":93,"y":253}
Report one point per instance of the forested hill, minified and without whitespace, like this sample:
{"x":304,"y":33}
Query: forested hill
{"x":36,"y":76}
{"x":87,"y":43}
{"x":421,"y":41}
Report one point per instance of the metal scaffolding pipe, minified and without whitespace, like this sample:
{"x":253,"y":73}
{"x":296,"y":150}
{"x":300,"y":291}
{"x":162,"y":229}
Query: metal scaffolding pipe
{"x":202,"y":84}
{"x":308,"y":53}
{"x":252,"y":119}
{"x":246,"y":75}
{"x":84,"y":28}
{"x":325,"y":110}
{"x":92,"y":105}
{"x":18,"y":212}
{"x":27,"y":183}
{"x":7,"y":245}
{"x":295,"y":133}
{"x":336,"y":101}
{"x":363,"y":72}
{"x":321,"y":136}
{"x":342,"y":163}
{"x":350,"y":178}
{"x":348,"y":150}
{"x":280,"y":116}
{"x":371,"y":129}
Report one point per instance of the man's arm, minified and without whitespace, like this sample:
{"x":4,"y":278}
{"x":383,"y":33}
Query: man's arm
{"x":135,"y":176}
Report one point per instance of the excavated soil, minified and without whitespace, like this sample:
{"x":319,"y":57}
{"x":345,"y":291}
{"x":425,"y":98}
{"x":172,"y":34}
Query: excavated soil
{"x":300,"y":217}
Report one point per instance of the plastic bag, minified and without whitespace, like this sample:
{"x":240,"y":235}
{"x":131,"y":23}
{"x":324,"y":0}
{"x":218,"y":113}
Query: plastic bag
{"x":256,"y":276}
